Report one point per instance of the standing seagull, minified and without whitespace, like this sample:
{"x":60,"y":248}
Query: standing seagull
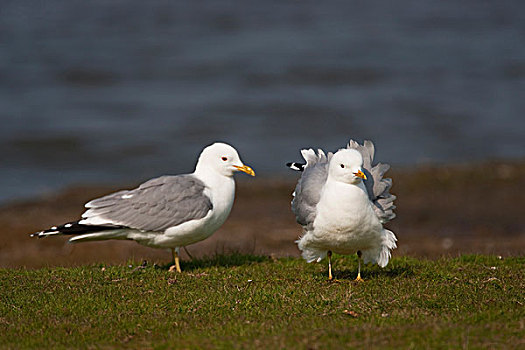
{"x":342,"y":203}
{"x":164,"y":212}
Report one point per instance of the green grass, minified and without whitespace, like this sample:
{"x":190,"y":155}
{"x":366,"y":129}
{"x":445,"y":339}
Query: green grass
{"x":241,"y":301}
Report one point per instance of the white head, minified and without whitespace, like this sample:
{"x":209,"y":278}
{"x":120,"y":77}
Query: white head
{"x":346,"y":166}
{"x":223,"y":159}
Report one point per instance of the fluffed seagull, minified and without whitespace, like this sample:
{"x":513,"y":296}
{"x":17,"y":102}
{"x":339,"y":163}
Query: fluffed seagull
{"x":164,"y":212}
{"x":342,"y":203}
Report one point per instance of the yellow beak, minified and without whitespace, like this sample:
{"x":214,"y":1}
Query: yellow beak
{"x":360,"y":174}
{"x":245,"y":169}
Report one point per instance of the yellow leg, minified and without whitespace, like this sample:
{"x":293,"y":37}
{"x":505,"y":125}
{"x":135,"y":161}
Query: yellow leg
{"x":330,"y":277}
{"x":176,"y":263}
{"x":358,"y":278}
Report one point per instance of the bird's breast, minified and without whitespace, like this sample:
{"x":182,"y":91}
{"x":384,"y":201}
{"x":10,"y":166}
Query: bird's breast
{"x":344,"y":209}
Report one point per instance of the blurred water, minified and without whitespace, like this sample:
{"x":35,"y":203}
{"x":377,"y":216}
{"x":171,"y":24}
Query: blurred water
{"x":120,"y":91}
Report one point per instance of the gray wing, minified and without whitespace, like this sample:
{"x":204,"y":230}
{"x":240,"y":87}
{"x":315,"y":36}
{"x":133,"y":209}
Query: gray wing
{"x":155,"y":205}
{"x":377,"y":187}
{"x":308,"y":190}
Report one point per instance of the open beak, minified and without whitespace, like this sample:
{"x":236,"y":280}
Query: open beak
{"x":360,"y":174}
{"x":245,"y":169}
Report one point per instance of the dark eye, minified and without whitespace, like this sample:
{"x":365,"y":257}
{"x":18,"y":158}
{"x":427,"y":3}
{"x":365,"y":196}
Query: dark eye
{"x":224,"y":158}
{"x":342,"y":165}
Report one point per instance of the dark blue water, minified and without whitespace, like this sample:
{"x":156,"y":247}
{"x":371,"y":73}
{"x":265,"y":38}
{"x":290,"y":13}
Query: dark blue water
{"x":120,"y":91}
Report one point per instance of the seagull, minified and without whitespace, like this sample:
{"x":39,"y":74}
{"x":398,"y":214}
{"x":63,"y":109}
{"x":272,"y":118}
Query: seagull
{"x":342,"y":203}
{"x":167,"y":211}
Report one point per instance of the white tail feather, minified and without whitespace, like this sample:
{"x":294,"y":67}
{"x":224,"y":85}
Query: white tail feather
{"x":100,"y":236}
{"x":382,"y":254}
{"x":309,"y":254}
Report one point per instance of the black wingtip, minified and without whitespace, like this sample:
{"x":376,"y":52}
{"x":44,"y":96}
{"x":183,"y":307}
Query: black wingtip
{"x":296,"y":166}
{"x":72,"y":228}
{"x":49,"y":232}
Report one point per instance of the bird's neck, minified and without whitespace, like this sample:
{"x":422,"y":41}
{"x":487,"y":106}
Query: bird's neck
{"x":201,"y":169}
{"x":341,"y":193}
{"x":219,"y":187}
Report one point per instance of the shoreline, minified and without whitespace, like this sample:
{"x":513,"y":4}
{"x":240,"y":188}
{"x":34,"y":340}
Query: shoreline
{"x":441,"y":210}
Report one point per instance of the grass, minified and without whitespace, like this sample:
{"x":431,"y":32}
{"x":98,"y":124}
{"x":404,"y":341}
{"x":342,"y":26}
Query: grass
{"x":243,"y":301}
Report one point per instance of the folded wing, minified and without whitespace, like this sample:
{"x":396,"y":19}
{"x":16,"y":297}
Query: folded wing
{"x":155,"y":205}
{"x":308,"y":190}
